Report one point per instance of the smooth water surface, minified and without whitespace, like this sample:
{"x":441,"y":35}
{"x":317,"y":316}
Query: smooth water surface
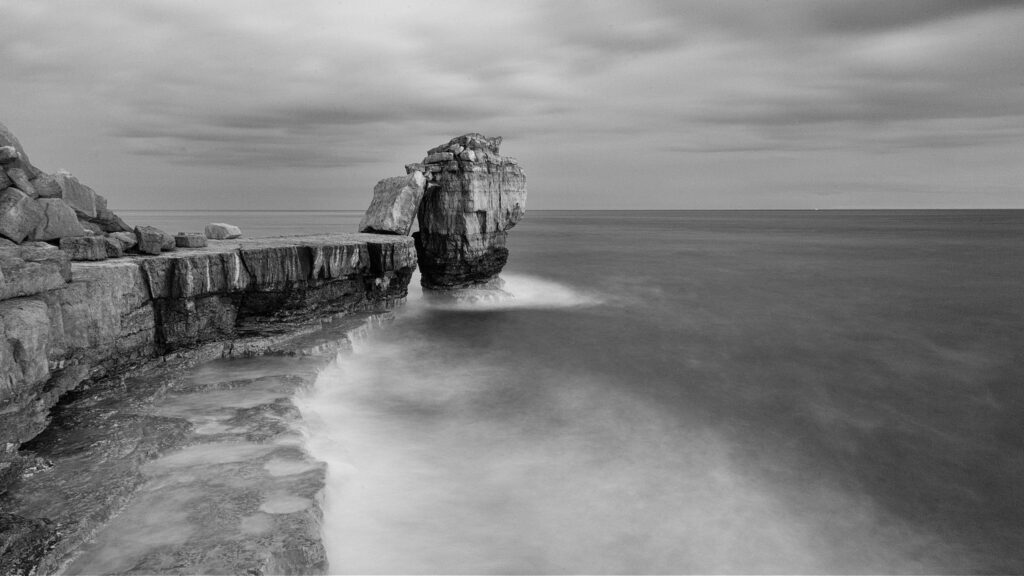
{"x":741,"y":392}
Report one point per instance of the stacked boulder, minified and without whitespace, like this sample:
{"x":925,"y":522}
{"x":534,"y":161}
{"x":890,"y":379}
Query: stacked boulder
{"x":473,"y":196}
{"x":36,"y":206}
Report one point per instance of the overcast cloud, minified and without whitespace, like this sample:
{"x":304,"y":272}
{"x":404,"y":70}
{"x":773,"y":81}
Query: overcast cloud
{"x":676,"y":104}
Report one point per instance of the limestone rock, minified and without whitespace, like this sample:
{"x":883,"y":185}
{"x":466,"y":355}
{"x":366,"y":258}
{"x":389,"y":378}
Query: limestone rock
{"x":114,"y":248}
{"x":19,"y":214}
{"x":467,"y":211}
{"x":189,"y":240}
{"x":24,"y":346}
{"x":75,"y":194}
{"x":85,"y":247}
{"x":152,"y":240}
{"x":126,"y":239}
{"x":8,"y":154}
{"x":90,"y":227}
{"x":107,"y":221}
{"x":394,"y":205}
{"x":32,"y":268}
{"x":221,"y":231}
{"x":58,"y":221}
{"x":21,"y":181}
{"x":8,"y":139}
{"x":46,"y":186}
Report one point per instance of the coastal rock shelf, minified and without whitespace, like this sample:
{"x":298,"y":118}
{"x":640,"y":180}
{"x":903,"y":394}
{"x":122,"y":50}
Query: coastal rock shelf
{"x":62,"y":323}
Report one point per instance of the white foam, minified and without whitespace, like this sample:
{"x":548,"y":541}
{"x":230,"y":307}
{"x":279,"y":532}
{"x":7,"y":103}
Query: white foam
{"x":520,"y":291}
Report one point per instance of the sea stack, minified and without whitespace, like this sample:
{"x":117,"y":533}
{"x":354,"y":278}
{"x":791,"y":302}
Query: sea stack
{"x":474,"y":195}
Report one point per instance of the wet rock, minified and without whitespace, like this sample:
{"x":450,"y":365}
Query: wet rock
{"x":394,"y":205}
{"x":59,"y":221}
{"x":190,"y":240}
{"x":19,"y":214}
{"x":23,"y":542}
{"x":85,"y":247}
{"x":466,"y":212}
{"x":32,"y":269}
{"x":221,"y":231}
{"x":152,"y":240}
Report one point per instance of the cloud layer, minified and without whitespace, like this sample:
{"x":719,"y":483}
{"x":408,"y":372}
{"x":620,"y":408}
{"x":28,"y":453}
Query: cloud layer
{"x":166,"y":103}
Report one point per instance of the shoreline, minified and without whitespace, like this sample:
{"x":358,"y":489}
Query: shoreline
{"x":108,"y":339}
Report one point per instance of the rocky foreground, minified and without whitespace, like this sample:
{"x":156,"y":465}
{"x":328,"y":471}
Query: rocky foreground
{"x":100,"y":327}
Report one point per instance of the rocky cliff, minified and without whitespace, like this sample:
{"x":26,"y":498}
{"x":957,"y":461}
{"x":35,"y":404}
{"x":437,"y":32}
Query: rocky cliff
{"x":62,"y":322}
{"x":475,"y":195}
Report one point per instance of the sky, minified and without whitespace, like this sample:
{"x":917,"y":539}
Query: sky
{"x":739,"y":104}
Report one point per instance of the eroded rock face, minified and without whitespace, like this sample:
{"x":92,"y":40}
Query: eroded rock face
{"x":394,"y":205}
{"x":473,"y":197}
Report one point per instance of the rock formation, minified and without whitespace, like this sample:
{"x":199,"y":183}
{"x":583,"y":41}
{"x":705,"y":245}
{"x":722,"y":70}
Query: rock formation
{"x":39,"y":206}
{"x":62,"y":322}
{"x":394,"y":205}
{"x":473,"y":197}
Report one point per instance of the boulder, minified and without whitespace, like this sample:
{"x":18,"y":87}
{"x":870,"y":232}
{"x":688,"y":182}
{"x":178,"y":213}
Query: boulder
{"x":221,"y":231}
{"x":466,"y":212}
{"x":19,"y":214}
{"x":107,"y":221}
{"x":152,"y":240}
{"x":75,"y":194}
{"x":85,"y":247}
{"x":8,"y":154}
{"x":8,"y":139}
{"x":21,"y":181}
{"x":58,"y":221}
{"x":127,"y":240}
{"x":189,"y":240}
{"x":394,"y":205}
{"x":46,"y":186}
{"x":113,"y":246}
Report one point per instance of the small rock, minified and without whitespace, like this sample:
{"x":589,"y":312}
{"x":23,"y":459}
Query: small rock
{"x":85,"y":247}
{"x":58,"y":221}
{"x":151,"y":240}
{"x":113,"y":246}
{"x":221,"y":231}
{"x":189,"y":240}
{"x":8,"y":154}
{"x":46,"y":186}
{"x":127,"y":240}
{"x":21,"y":181}
{"x":19,"y":214}
{"x":468,"y":156}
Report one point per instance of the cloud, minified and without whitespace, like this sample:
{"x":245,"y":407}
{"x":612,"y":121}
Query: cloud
{"x":244,"y":84}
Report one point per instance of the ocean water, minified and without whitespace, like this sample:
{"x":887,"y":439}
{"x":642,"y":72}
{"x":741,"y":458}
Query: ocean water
{"x":691,"y":392}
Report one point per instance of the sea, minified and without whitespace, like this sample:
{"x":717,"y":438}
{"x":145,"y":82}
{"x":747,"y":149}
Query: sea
{"x":829,"y":392}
